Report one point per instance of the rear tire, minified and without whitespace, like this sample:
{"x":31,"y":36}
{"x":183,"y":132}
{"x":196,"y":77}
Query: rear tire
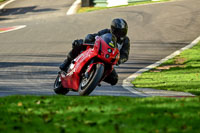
{"x":58,"y":88}
{"x":95,"y":76}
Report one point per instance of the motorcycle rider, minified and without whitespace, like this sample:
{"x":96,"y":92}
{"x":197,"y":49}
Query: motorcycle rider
{"x":119,"y":28}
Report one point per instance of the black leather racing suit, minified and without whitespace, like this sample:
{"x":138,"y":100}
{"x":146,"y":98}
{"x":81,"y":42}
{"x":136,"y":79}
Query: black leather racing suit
{"x":123,"y":46}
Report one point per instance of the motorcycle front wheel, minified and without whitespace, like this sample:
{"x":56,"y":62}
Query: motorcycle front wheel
{"x":89,"y":83}
{"x":58,"y":88}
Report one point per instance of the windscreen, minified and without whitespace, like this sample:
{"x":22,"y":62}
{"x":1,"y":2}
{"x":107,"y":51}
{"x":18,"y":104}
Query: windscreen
{"x":110,"y":39}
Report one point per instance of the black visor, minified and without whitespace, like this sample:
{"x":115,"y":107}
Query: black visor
{"x":119,"y":32}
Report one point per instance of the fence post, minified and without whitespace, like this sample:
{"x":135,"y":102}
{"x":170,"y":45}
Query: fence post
{"x":87,"y":3}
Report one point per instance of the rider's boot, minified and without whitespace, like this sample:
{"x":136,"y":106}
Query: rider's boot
{"x":65,"y":65}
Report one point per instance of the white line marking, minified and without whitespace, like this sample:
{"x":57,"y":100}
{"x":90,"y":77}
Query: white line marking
{"x":8,"y":2}
{"x":74,"y":7}
{"x":15,"y":28}
{"x":127,"y":82}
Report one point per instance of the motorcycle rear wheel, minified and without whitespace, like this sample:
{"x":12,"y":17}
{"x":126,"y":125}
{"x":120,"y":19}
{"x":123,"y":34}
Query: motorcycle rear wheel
{"x":87,"y":85}
{"x":58,"y":88}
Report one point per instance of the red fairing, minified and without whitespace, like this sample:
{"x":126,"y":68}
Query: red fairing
{"x":72,"y":79}
{"x":111,"y":57}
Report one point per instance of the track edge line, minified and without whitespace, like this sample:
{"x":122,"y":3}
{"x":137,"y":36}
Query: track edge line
{"x":130,"y":87}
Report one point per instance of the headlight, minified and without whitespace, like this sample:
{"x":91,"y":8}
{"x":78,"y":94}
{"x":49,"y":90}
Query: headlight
{"x":109,"y":50}
{"x":107,"y":55}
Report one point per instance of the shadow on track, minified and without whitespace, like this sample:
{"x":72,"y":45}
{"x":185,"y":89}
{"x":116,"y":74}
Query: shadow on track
{"x":7,"y":12}
{"x":23,"y":10}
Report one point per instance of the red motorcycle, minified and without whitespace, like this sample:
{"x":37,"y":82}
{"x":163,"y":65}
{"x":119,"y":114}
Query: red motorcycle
{"x":88,"y":69}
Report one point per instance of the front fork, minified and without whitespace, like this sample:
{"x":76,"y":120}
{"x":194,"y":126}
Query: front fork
{"x":90,"y":67}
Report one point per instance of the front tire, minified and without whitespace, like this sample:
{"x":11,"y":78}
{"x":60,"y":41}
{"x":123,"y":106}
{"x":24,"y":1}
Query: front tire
{"x":87,"y":85}
{"x":58,"y":88}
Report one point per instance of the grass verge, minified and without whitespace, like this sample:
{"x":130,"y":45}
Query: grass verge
{"x":60,"y":114}
{"x":2,"y":1}
{"x":90,"y":9}
{"x":181,"y":73}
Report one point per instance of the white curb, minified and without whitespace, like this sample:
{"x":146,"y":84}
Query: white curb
{"x":127,"y":82}
{"x":73,"y":9}
{"x":6,"y":3}
{"x":15,"y":28}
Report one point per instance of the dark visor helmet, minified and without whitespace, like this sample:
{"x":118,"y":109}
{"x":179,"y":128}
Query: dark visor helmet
{"x":119,"y":28}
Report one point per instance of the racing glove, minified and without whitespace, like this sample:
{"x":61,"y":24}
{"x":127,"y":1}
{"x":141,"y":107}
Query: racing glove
{"x":77,"y":43}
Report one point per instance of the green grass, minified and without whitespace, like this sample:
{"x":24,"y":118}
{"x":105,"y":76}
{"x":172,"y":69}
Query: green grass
{"x":90,"y":9}
{"x":181,"y":73}
{"x":74,"y":114}
{"x":2,"y":1}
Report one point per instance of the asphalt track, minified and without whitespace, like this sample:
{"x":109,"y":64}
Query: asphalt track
{"x":29,"y":57}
